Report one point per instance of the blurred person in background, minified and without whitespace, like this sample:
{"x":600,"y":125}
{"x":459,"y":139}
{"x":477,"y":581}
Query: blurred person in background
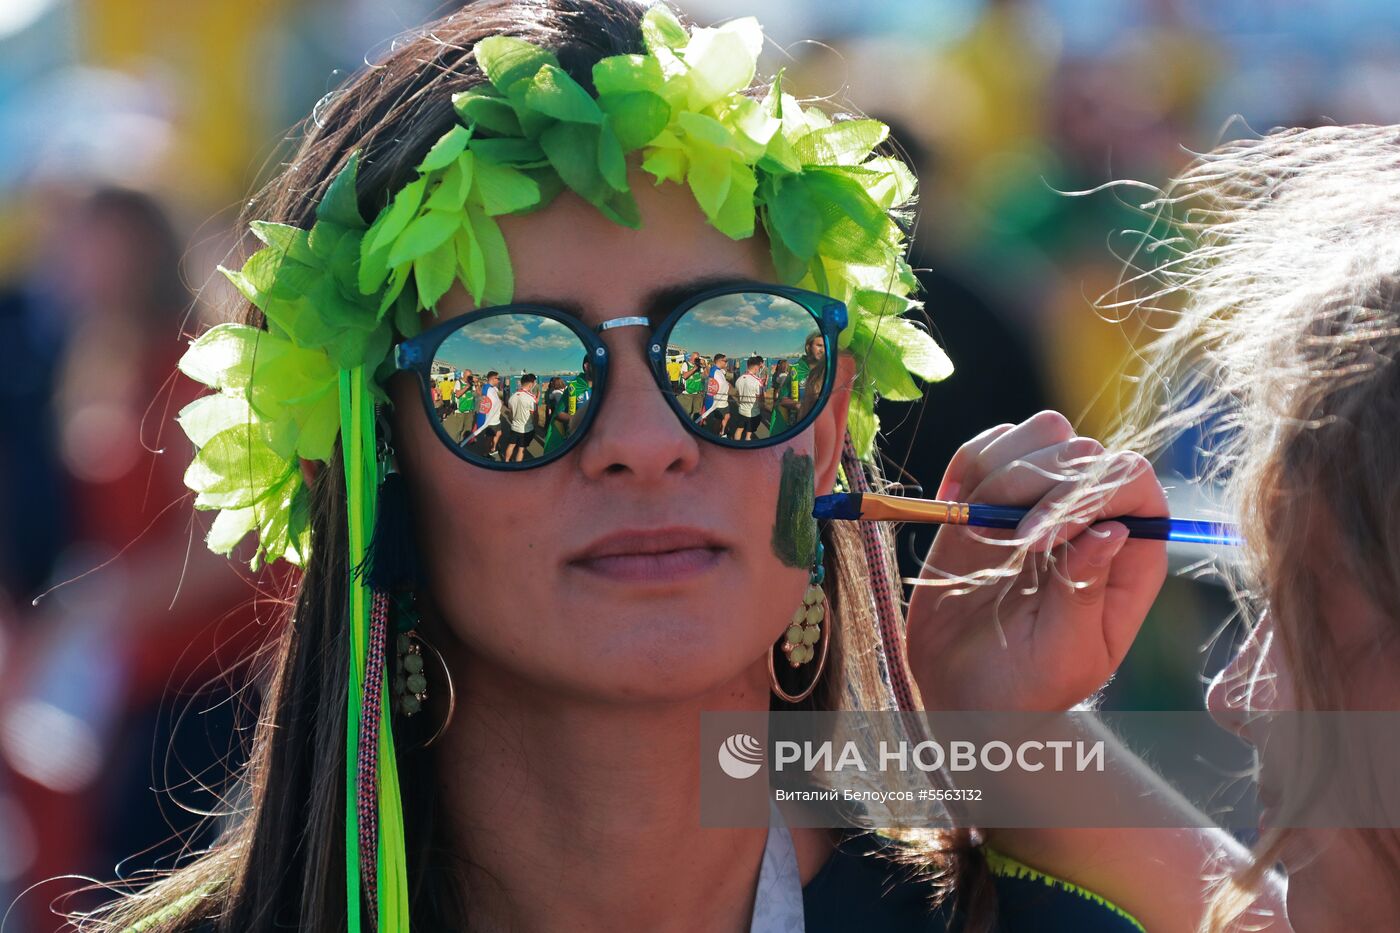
{"x":86,"y":724}
{"x":1288,"y":339}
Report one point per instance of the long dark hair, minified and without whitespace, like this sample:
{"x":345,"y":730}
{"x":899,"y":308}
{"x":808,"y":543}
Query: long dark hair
{"x":281,"y":862}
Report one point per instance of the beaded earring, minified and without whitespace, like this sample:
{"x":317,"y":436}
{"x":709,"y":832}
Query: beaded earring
{"x":803,"y":640}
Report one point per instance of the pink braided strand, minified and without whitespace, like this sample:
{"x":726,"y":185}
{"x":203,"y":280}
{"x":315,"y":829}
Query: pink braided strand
{"x":367,"y":779}
{"x":887,"y":603}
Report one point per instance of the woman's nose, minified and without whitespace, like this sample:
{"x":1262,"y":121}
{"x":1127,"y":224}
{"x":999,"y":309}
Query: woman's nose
{"x":635,"y":431}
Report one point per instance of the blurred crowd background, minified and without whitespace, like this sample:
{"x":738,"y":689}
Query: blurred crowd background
{"x":132,"y":130}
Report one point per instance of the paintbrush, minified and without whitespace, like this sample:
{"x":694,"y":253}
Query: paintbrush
{"x":873,"y":507}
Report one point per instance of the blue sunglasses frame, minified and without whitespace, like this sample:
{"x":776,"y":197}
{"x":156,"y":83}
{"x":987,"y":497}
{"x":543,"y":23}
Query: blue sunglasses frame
{"x":416,"y":354}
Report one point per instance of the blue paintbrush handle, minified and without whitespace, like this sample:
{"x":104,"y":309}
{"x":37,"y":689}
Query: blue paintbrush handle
{"x":853,"y":506}
{"x":1156,"y":529}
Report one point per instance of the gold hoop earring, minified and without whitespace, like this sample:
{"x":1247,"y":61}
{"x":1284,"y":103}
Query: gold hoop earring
{"x":804,"y":633}
{"x":412,"y":685}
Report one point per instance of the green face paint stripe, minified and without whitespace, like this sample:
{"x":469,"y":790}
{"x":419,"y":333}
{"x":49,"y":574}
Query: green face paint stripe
{"x":794,"y":529}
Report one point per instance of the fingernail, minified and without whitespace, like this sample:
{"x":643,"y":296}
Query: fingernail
{"x":1118,"y":536}
{"x":950,"y":492}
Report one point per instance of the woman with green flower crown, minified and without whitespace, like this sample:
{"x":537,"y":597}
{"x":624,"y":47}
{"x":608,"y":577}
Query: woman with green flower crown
{"x":572,"y":188}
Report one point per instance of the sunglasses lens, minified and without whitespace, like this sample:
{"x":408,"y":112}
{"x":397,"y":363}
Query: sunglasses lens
{"x":748,"y":366}
{"x":511,"y":387}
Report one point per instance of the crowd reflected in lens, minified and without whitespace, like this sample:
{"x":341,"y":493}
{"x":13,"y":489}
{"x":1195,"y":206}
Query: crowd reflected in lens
{"x":512,"y":388}
{"x":747,"y":366}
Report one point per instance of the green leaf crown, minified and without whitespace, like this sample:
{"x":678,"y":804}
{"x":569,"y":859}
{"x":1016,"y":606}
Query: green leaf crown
{"x":334,"y":296}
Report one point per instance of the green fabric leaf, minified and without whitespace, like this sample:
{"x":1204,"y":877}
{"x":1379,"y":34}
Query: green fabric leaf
{"x":790,"y":267}
{"x":394,"y":218}
{"x":453,"y":186}
{"x":779,"y":157}
{"x":621,"y":208}
{"x":210,"y":414}
{"x":340,"y":204}
{"x":446,"y":150}
{"x":320,"y":426}
{"x":661,"y":29}
{"x":735,"y":218}
{"x":877,"y":303}
{"x":284,"y":240}
{"x":234,"y":470}
{"x":705,"y":129}
{"x":502,"y":189}
{"x":499,"y":285}
{"x":844,"y":143}
{"x":374,"y":269}
{"x":507,"y":60}
{"x":665,"y":164}
{"x":286,"y":381}
{"x":406,"y":319}
{"x":488,"y":112}
{"x":470,"y":260}
{"x":512,"y":152}
{"x":862,"y":424}
{"x":795,"y":218}
{"x":245,"y":285}
{"x":230,"y":526}
{"x":612,"y":164}
{"x":398,"y":278}
{"x":435,"y":270}
{"x":572,"y":149}
{"x":895,"y":184}
{"x":919,"y":352}
{"x":274,"y":529}
{"x":423,"y":236}
{"x":289,"y":282}
{"x":879,"y":361}
{"x":620,"y":75}
{"x":751,"y":126}
{"x":636,"y":116}
{"x":325,"y":238}
{"x":722,"y":60}
{"x":223,"y":355}
{"x":554,"y":93}
{"x":342,"y":264}
{"x":710,"y":174}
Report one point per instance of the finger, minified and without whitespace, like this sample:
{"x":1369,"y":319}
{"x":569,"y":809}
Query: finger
{"x":1080,"y":584}
{"x":1027,"y":479}
{"x":954,"y":475}
{"x":1126,"y":485}
{"x":1035,"y":433}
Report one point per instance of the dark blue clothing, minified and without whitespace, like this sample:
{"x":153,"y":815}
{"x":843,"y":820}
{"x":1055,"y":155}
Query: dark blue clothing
{"x":861,"y":888}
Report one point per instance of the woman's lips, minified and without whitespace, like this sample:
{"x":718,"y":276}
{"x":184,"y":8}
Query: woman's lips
{"x":652,"y":555}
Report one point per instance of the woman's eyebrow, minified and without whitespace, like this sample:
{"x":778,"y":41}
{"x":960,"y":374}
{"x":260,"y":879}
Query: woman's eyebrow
{"x":656,"y":305}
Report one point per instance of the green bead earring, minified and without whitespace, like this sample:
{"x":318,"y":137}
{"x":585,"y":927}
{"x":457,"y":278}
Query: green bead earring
{"x":409,"y":689}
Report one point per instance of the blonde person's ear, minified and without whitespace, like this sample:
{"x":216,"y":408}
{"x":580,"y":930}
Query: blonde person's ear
{"x":829,"y":430}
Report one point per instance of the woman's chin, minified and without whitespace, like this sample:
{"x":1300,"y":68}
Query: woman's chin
{"x":666,"y":663}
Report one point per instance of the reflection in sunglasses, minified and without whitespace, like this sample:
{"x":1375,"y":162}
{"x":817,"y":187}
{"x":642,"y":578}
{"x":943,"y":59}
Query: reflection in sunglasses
{"x":514,"y":387}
